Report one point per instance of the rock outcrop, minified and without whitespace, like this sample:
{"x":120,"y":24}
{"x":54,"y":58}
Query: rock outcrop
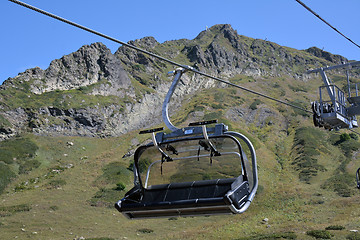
{"x":93,"y":92}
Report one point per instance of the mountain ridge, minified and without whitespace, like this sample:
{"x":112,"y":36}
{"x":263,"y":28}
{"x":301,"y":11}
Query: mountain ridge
{"x":136,"y":81}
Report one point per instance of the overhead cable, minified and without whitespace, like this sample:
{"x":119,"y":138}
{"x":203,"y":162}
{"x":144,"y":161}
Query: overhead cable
{"x":189,"y":68}
{"x":318,"y":16}
{"x":354,"y":132}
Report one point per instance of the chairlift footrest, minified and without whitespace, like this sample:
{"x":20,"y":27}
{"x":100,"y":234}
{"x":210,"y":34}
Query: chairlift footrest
{"x":151,"y":130}
{"x":202,"y":123}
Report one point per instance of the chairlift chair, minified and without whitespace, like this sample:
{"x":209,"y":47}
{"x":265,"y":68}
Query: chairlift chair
{"x":196,"y":170}
{"x":333,"y":111}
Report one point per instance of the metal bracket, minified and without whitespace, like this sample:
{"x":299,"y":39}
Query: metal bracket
{"x":326,"y":81}
{"x":165,"y":111}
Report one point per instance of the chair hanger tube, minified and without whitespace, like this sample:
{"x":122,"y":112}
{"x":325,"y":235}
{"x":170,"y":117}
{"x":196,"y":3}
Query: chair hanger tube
{"x":165,"y":108}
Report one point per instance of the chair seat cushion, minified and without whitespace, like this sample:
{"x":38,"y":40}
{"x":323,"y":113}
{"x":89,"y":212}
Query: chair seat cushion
{"x":181,"y":195}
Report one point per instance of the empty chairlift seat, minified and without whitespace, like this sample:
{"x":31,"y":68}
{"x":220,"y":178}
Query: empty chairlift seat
{"x":190,"y":176}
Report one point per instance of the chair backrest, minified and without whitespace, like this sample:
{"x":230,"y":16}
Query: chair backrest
{"x":190,"y":160}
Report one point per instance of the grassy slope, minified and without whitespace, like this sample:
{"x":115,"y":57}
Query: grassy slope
{"x":57,"y":196}
{"x":64,"y":211}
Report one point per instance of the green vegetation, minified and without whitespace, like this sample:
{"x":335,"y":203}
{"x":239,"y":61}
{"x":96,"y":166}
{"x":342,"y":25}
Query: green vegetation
{"x":100,"y":238}
{"x":349,"y":146}
{"x":144,"y":164}
{"x":145,"y":230}
{"x":253,"y":106}
{"x":19,"y":152}
{"x":6,"y":176}
{"x":335,"y":227}
{"x":106,"y":197}
{"x":112,"y":184}
{"x":28,"y":165}
{"x":301,"y":104}
{"x":9,"y":210}
{"x":67,"y":99}
{"x":18,"y":149}
{"x":102,"y":178}
{"x":4,"y":122}
{"x":353,"y":236}
{"x":323,"y":234}
{"x":114,"y":173}
{"x":57,"y":183}
{"x":54,"y":208}
{"x":271,"y":236}
{"x":308,"y":143}
{"x":299,"y":88}
{"x":120,"y":186}
{"x":342,"y":181}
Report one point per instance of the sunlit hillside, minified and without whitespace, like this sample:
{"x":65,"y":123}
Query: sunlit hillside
{"x":66,"y":156}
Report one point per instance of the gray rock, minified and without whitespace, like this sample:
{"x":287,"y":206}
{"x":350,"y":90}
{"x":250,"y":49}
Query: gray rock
{"x":140,"y":82}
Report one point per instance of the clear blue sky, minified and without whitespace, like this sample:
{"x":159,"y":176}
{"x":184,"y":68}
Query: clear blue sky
{"x":29,"y":39}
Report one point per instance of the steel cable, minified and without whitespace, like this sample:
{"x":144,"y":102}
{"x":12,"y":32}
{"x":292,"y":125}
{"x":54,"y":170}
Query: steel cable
{"x":318,"y":16}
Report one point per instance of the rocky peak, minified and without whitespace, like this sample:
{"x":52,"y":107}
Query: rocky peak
{"x":145,"y":42}
{"x":89,"y":65}
{"x":31,"y":73}
{"x":229,"y":33}
{"x":225,"y":30}
{"x":317,"y":52}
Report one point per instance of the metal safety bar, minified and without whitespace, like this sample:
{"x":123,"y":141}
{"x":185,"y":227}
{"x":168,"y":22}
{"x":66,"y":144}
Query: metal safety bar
{"x":338,"y":100}
{"x":255,"y":181}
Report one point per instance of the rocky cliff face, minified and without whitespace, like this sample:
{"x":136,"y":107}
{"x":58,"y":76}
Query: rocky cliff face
{"x":87,"y":66}
{"x":93,"y":92}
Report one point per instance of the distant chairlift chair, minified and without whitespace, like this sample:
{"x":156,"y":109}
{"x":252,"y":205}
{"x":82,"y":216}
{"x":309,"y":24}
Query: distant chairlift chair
{"x":333,"y":111}
{"x":191,"y":171}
